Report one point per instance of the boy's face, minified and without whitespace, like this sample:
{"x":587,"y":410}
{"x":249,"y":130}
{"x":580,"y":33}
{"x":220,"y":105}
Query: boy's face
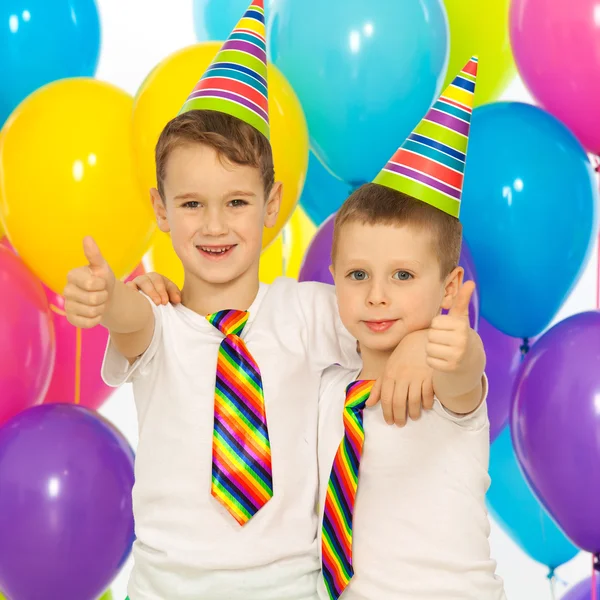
{"x":388,"y":282}
{"x":215,"y":212}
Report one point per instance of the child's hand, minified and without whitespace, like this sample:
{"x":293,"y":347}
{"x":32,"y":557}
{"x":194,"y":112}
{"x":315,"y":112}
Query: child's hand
{"x":157,"y":287}
{"x":89,"y":289}
{"x":407,"y":385}
{"x":450,"y":335}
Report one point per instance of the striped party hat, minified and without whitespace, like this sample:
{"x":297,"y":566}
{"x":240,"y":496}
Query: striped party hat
{"x":430,"y":165}
{"x":236,"y":81}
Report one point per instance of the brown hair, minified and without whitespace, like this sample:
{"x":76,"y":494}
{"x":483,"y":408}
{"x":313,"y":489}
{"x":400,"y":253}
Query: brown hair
{"x":374,"y":204}
{"x":230,"y":137}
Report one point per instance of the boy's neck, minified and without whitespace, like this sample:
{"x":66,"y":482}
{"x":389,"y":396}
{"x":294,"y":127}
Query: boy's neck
{"x":374,"y":362}
{"x":205,"y":298}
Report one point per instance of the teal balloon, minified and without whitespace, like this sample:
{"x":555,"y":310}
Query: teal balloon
{"x":529,"y":212}
{"x":365,"y":72}
{"x":42,"y":41}
{"x":215,"y":19}
{"x":512,"y":504}
{"x":323,"y":194}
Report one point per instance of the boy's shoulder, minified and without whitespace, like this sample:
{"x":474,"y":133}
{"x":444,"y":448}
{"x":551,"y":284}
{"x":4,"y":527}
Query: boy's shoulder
{"x":309,"y":294}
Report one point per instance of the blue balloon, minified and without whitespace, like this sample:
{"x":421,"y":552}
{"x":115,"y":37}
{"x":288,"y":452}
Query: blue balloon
{"x":215,"y":19}
{"x":365,"y":73}
{"x":529,"y":213}
{"x":513,"y":505}
{"x":42,"y":41}
{"x":323,"y":193}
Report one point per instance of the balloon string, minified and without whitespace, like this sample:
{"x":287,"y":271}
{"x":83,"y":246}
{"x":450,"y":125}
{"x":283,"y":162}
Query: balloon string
{"x":552,"y":579}
{"x":596,"y":160}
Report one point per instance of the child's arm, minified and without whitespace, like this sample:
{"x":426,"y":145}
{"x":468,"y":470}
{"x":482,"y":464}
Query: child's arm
{"x":455,"y":352}
{"x":93,"y":296}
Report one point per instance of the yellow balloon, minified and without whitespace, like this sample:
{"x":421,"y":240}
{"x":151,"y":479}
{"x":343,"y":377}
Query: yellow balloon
{"x":480,"y":27}
{"x":285,"y":255}
{"x":66,"y":171}
{"x":164,"y":92}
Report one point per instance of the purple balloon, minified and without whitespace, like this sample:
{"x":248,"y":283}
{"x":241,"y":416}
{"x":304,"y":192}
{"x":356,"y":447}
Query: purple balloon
{"x":315,"y":266}
{"x":555,"y":423}
{"x":583,"y":590}
{"x":66,"y":522}
{"x":503,"y":361}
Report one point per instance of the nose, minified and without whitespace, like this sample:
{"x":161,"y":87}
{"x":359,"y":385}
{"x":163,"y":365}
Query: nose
{"x":377,"y":295}
{"x":214,"y":222}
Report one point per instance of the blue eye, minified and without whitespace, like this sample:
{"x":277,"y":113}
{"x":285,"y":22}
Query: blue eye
{"x":402,"y":275}
{"x":237,"y":203}
{"x":358,"y":275}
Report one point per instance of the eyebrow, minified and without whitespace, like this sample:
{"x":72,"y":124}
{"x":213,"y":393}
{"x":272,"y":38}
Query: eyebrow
{"x":187,"y":196}
{"x":195,"y":196}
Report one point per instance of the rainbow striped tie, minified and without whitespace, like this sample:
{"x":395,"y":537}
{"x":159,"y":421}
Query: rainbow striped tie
{"x":241,"y":469}
{"x":336,"y":542}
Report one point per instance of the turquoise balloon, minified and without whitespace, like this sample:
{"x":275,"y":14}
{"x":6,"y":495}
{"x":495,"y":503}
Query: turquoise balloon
{"x":215,"y":19}
{"x":45,"y":40}
{"x":323,"y":193}
{"x":529,"y":211}
{"x":365,"y":73}
{"x":512,"y":504}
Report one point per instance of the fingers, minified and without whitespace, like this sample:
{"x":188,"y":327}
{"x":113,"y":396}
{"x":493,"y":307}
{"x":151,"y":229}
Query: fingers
{"x":173,"y":292}
{"x":92,"y":252}
{"x":387,"y":399}
{"x":448,"y":357}
{"x":375,"y":393}
{"x":414,"y":400}
{"x":91,"y":298}
{"x":427,"y":393}
{"x":444,"y":337}
{"x":153,"y":286}
{"x":448,"y":323}
{"x":84,"y":280}
{"x":400,"y":403}
{"x":460,"y":306}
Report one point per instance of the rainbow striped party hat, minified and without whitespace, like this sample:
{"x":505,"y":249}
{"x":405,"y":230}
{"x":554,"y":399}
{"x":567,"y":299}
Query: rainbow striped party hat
{"x":430,"y":165}
{"x":236,"y":81}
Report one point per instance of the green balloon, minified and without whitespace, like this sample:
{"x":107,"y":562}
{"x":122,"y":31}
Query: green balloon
{"x":480,"y":28}
{"x":107,"y":596}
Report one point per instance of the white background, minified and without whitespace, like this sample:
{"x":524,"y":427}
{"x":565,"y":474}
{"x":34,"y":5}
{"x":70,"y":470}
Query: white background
{"x":136,"y":35}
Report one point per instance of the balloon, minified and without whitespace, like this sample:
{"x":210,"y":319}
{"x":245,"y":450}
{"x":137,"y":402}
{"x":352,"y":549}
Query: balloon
{"x":318,"y":258}
{"x":513,"y":505}
{"x":79,"y":354}
{"x":555,"y":423}
{"x":284,"y":256}
{"x":529,"y":212}
{"x":560,"y":42}
{"x":75,"y":136}
{"x":583,"y":590}
{"x":215,"y":19}
{"x":42,"y":41}
{"x":66,"y":521}
{"x":365,"y":73}
{"x":107,"y":596}
{"x":165,"y":90}
{"x":323,"y":193}
{"x":27,"y":337}
{"x":503,"y":361}
{"x":482,"y":32}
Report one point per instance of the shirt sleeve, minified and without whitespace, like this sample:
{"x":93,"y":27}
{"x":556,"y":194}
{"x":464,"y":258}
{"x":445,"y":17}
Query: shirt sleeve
{"x":116,"y":369}
{"x":473,"y":421}
{"x":328,"y":341}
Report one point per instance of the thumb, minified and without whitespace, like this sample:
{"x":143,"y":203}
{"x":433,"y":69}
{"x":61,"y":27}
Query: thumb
{"x":460,"y":306}
{"x":92,"y":252}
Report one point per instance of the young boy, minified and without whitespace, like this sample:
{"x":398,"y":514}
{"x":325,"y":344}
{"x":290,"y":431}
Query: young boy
{"x":226,"y":466}
{"x":403,"y":510}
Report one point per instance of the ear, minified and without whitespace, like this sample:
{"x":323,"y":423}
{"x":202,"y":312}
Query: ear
{"x":452,"y":284}
{"x":273,"y":204}
{"x":160,"y":211}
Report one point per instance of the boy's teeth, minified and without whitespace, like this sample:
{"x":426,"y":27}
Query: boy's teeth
{"x":215,"y":250}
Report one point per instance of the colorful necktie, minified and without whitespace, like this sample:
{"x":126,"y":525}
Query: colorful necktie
{"x":241,"y":468}
{"x":336,"y":542}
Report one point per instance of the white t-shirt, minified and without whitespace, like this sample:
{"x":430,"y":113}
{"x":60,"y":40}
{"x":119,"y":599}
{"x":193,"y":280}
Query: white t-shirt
{"x":420,"y":526}
{"x":188,"y":546}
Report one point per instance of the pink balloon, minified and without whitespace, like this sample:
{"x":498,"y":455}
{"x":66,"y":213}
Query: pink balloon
{"x":556,"y":45}
{"x":79,"y":354}
{"x":27,"y":346}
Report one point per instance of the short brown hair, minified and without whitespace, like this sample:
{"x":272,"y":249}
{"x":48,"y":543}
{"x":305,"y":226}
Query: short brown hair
{"x":377,"y":204}
{"x":229,"y":136}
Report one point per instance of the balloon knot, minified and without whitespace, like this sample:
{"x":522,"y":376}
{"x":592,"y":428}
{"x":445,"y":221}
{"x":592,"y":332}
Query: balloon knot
{"x":551,"y":573}
{"x":524,"y":348}
{"x":597,"y":562}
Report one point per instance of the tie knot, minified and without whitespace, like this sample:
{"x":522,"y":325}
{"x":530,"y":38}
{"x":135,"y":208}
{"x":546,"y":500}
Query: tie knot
{"x":229,"y":322}
{"x":357,"y":393}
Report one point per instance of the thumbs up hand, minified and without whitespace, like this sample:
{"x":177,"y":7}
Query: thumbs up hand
{"x":450,"y":336}
{"x":89,"y":288}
